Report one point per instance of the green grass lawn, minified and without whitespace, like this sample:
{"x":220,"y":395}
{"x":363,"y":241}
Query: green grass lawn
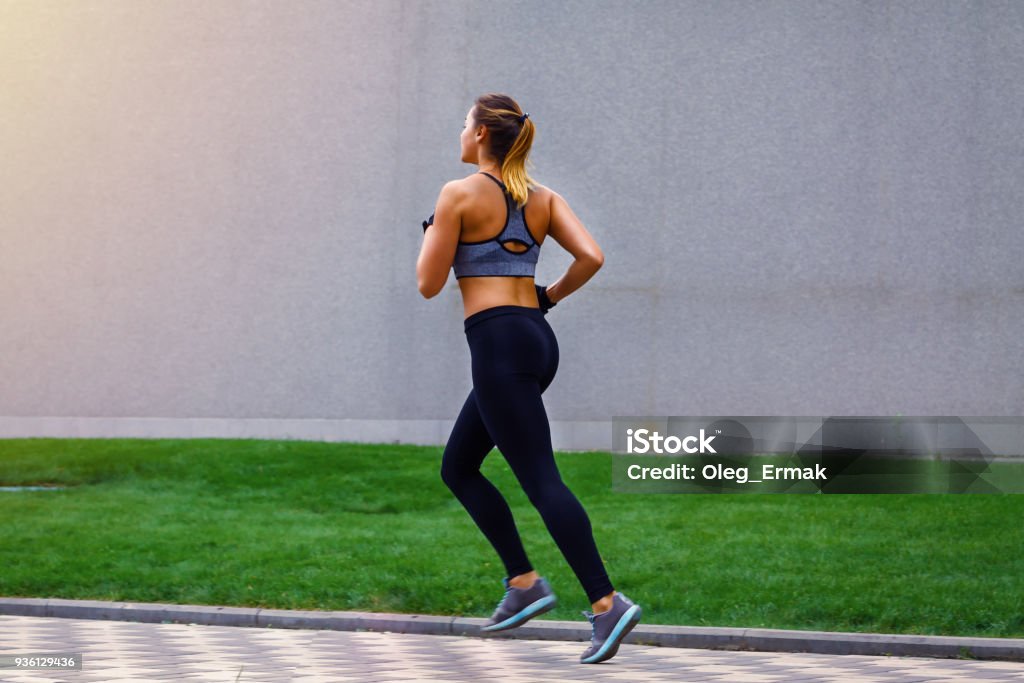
{"x":310,"y":525}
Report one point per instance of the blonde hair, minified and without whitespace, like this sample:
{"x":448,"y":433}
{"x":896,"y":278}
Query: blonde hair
{"x":510,"y":140}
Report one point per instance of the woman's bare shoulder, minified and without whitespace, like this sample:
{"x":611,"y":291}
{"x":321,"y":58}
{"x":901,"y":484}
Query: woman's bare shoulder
{"x":542,"y":190}
{"x":474,"y":183}
{"x":542,"y":193}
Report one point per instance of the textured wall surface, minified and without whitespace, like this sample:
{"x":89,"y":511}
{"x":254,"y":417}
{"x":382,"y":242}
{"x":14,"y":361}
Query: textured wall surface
{"x":210,"y":212}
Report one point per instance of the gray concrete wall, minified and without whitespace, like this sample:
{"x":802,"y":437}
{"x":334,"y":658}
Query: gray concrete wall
{"x":210,"y":212}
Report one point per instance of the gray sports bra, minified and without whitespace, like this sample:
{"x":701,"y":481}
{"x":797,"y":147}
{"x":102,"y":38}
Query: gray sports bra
{"x":491,"y":257}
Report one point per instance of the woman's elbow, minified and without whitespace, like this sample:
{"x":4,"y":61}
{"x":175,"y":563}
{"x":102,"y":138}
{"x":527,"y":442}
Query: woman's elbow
{"x":428,"y":290}
{"x":595,"y":259}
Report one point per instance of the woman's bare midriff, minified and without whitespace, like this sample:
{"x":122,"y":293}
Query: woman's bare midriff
{"x":479,"y":293}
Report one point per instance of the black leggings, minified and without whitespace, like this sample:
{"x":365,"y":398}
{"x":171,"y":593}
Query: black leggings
{"x":514,"y":357}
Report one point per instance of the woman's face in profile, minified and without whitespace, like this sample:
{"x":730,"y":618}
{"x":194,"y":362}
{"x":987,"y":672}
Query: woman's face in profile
{"x":468,"y":139}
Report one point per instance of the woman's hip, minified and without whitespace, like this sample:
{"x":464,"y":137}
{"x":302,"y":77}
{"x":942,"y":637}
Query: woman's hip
{"x":508,"y":309}
{"x":511,"y":339}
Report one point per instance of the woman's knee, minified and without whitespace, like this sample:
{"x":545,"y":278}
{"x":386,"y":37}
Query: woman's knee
{"x":546,"y":492}
{"x":454,"y":475}
{"x":450,"y":474}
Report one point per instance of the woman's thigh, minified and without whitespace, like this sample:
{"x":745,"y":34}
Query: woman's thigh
{"x":514,"y":360}
{"x":469,"y":441}
{"x":514,"y":415}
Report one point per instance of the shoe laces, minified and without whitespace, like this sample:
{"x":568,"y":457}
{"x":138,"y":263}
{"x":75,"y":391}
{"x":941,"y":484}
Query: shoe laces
{"x":508,"y":589}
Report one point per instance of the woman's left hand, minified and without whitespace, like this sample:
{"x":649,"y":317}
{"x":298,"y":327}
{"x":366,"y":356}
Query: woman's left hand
{"x":543,"y":299}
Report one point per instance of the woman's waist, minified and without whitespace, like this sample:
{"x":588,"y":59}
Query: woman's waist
{"x":482,"y":293}
{"x":501,"y":310}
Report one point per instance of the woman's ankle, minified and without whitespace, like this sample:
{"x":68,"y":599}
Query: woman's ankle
{"x":524,"y":581}
{"x":604,"y":604}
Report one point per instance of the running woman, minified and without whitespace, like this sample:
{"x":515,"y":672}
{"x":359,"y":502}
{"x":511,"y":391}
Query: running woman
{"x":489,"y":228}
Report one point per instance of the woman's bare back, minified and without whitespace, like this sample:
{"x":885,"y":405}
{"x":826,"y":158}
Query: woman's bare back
{"x":483,"y":217}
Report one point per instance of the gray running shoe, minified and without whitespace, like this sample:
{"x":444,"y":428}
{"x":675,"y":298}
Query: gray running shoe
{"x":520,"y":605}
{"x":609,"y":628}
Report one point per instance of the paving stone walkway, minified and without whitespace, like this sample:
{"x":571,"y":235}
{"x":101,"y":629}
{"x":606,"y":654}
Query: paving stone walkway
{"x":120,"y":651}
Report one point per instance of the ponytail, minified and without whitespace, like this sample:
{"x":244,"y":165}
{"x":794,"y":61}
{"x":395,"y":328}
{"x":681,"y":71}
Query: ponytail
{"x":511,"y":133}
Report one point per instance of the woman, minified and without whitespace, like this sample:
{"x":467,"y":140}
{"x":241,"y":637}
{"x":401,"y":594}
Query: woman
{"x":489,"y":228}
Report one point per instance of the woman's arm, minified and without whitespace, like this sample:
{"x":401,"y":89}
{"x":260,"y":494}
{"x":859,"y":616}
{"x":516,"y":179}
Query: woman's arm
{"x":568,"y":231}
{"x":440,"y":241}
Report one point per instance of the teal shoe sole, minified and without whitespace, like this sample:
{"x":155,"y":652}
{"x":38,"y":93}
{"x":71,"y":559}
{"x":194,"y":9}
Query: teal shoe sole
{"x":627,"y":621}
{"x":545,"y":604}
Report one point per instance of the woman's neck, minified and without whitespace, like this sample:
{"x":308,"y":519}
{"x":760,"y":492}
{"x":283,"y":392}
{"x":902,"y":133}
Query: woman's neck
{"x":493,"y":171}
